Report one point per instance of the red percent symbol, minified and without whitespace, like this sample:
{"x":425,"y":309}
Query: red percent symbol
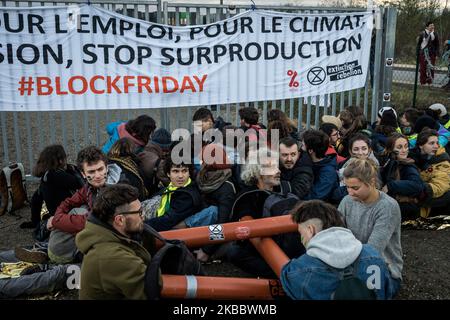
{"x":293,"y":74}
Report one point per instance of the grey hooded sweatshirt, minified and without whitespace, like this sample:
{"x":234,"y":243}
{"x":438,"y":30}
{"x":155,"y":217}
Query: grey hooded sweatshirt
{"x":335,"y":246}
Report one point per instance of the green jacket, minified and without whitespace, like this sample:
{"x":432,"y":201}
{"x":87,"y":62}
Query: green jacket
{"x":113,"y":265}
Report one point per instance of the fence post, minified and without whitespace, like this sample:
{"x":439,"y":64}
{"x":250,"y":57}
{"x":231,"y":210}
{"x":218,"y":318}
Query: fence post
{"x":377,"y":67}
{"x":389,"y":51}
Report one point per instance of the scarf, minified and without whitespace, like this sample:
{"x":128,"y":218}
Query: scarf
{"x":166,"y":196}
{"x":210,"y":181}
{"x":128,"y":164}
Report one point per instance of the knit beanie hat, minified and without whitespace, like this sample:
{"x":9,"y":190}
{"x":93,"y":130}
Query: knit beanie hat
{"x":162,"y":138}
{"x":382,"y":110}
{"x":425,"y":121}
{"x":389,"y":119}
{"x":439,"y":107}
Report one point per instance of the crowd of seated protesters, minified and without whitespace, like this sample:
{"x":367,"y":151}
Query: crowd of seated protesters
{"x":376,"y":174}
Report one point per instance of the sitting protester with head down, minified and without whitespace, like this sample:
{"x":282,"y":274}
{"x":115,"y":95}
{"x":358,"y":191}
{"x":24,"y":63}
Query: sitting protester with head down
{"x":137,"y":130}
{"x":128,"y":166}
{"x":373,"y":216}
{"x":215,"y":182}
{"x":331,"y":251}
{"x":315,"y":143}
{"x":400,"y":176}
{"x":434,"y":165}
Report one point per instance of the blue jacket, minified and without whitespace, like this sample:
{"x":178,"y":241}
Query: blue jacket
{"x":408,"y":183}
{"x":326,"y":178}
{"x":111,"y":130}
{"x":316,"y":274}
{"x":444,"y":136}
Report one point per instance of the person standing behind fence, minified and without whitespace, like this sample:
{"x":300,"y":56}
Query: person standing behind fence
{"x":137,"y":130}
{"x":428,"y":43}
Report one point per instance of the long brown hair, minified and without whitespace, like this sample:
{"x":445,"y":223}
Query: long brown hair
{"x":51,"y":158}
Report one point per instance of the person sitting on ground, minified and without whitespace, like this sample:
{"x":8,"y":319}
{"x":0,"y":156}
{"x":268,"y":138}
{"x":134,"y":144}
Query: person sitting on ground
{"x":429,"y":122}
{"x":58,"y":181}
{"x":296,"y":168}
{"x":263,"y":194}
{"x":152,"y":159}
{"x":249,"y":121}
{"x":71,"y":215}
{"x":203,"y":131}
{"x":360,"y":148}
{"x":440,"y":111}
{"x":283,"y":131}
{"x":115,"y":263}
{"x":353,"y":121}
{"x":332,"y":131}
{"x":216,"y":185}
{"x":138,"y":130}
{"x":331,"y":249}
{"x":289,"y":124}
{"x":434,"y":166}
{"x":385,"y":127}
{"x":400,"y":176}
{"x":408,"y":120}
{"x":179,"y":200}
{"x":315,"y":143}
{"x":373,"y":216}
{"x":128,"y":166}
{"x":203,"y":121}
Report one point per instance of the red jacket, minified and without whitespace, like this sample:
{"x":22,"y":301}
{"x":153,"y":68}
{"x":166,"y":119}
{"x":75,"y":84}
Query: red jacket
{"x":331,"y":150}
{"x":73,"y":223}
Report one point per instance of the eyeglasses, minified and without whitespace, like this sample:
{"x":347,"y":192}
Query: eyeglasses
{"x":140,"y":212}
{"x":336,"y":134}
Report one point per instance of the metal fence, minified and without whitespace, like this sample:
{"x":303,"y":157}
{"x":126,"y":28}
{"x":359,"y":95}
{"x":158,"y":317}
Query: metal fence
{"x":24,"y":134}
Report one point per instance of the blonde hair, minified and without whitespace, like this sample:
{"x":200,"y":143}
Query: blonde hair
{"x":365,"y":170}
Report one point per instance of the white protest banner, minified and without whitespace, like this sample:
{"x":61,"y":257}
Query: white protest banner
{"x":86,"y":57}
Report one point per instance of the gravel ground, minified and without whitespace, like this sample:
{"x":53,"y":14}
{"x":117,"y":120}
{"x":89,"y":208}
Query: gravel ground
{"x":425,"y":253}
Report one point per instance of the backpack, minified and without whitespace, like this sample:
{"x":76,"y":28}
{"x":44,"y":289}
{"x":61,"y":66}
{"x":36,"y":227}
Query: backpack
{"x":173,"y":257}
{"x":280,"y":204}
{"x":351,"y":287}
{"x":13,"y":189}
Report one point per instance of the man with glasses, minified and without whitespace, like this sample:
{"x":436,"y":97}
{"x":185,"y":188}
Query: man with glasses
{"x":332,"y":131}
{"x":114,"y":261}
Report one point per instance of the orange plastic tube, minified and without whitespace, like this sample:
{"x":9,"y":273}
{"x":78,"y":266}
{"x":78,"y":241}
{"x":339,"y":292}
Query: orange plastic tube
{"x":199,"y":287}
{"x":201,"y":236}
{"x":269,"y":250}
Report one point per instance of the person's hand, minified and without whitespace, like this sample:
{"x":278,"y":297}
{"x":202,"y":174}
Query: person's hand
{"x":242,"y":233}
{"x":50,"y":224}
{"x":385,"y":189}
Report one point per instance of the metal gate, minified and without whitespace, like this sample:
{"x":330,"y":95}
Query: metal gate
{"x":24,"y":134}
